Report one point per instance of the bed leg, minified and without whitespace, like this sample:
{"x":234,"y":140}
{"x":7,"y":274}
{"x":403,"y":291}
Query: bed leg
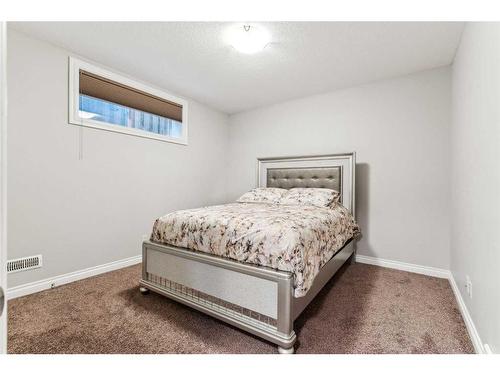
{"x":285,"y":350}
{"x":143,"y":290}
{"x":352,"y":259}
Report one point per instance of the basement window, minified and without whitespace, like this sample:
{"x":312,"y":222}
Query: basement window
{"x":105,"y":100}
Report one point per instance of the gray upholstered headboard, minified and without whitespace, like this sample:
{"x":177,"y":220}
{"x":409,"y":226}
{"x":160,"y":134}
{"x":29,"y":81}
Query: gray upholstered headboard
{"x":323,"y":171}
{"x":308,"y":177}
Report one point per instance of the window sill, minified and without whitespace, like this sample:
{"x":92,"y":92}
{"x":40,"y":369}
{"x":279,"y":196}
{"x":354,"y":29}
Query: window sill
{"x":128,"y":131}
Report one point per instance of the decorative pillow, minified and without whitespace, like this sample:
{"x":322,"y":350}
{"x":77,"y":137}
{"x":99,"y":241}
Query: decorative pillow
{"x":310,"y":197}
{"x":262,"y":195}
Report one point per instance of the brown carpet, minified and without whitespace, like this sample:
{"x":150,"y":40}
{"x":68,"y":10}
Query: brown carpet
{"x":363,"y":309}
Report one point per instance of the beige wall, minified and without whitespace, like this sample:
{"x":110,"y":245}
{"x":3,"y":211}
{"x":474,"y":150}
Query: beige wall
{"x":400,"y":131}
{"x":83,"y":213}
{"x":475,"y":180}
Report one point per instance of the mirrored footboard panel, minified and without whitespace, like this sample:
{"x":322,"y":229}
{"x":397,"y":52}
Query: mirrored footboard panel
{"x":256,"y":299}
{"x":209,"y":300}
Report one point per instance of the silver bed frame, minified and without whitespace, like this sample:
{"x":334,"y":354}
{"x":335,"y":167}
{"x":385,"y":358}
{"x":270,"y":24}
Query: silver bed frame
{"x":253,"y":298}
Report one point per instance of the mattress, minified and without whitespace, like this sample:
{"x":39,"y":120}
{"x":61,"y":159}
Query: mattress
{"x":293,"y":238}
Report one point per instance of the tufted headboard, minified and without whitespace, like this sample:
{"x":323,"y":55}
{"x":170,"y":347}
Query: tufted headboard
{"x":321,"y":177}
{"x":334,"y":171}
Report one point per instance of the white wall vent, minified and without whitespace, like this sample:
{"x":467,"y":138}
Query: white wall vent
{"x":24,"y":264}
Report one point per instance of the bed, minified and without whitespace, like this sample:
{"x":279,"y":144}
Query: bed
{"x":190,"y":259}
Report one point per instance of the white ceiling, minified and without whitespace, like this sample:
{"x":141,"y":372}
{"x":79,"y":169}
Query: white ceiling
{"x":191,"y":59}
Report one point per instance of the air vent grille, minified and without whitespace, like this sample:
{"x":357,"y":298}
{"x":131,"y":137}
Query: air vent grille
{"x":24,"y":264}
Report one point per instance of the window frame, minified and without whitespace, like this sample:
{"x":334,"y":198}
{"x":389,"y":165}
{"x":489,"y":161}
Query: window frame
{"x":75,"y":65}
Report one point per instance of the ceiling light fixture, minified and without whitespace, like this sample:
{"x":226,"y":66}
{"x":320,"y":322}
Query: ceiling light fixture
{"x":248,"y":38}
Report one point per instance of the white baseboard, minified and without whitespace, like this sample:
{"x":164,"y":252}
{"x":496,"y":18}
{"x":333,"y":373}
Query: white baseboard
{"x":479,"y":347}
{"x":415,"y":268}
{"x":38,"y":286}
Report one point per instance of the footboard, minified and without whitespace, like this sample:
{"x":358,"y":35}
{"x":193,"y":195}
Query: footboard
{"x":256,"y":299}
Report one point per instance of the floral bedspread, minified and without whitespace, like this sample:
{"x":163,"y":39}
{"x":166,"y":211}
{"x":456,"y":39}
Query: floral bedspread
{"x":298,"y":239}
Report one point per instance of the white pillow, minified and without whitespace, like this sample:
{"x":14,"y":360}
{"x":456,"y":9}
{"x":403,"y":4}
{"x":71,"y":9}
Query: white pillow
{"x":319,"y":197}
{"x":262,"y":195}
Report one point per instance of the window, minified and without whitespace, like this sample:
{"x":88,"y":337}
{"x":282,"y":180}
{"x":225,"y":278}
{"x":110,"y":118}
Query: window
{"x":105,"y":100}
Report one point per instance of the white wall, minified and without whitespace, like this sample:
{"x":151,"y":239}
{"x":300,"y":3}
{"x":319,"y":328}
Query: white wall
{"x":3,"y":184}
{"x":400,"y":131}
{"x":475,"y":180}
{"x":83,"y":213}
{"x":73,"y":212}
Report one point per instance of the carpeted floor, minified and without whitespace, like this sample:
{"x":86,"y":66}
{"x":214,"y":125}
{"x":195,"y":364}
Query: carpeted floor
{"x":363,"y":309}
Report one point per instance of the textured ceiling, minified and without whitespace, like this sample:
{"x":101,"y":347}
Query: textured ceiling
{"x":191,"y":59}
